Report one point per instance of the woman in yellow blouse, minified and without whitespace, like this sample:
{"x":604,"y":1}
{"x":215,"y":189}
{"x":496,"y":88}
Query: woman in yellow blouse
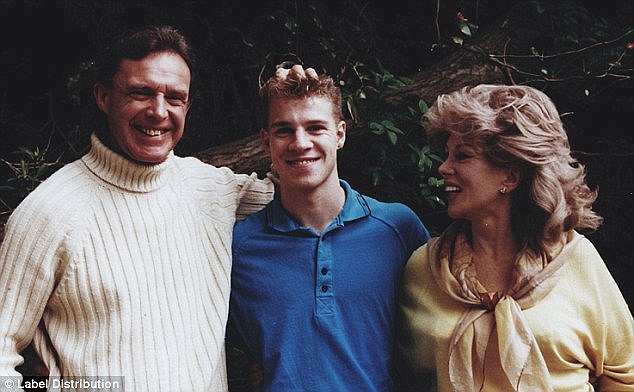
{"x":511,"y":297}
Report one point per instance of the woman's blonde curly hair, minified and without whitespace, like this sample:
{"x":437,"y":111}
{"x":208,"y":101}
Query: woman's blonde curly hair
{"x":520,"y":126}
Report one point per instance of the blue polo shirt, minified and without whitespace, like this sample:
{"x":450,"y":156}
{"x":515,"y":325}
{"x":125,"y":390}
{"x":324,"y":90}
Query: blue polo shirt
{"x":317,"y":311}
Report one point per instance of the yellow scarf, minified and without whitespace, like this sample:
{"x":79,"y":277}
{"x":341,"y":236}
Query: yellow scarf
{"x":533,"y":277}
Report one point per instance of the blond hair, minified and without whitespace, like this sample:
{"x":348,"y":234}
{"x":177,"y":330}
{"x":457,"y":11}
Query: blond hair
{"x":520,"y":126}
{"x":296,"y":86}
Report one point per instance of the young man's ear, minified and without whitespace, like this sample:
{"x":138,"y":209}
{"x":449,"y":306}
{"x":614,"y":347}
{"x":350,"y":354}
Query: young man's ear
{"x":264,"y":137}
{"x":341,"y":134}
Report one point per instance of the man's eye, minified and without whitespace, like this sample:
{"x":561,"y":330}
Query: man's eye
{"x":140,"y":94}
{"x":317,"y":128}
{"x":283,"y":131}
{"x":177,"y":101}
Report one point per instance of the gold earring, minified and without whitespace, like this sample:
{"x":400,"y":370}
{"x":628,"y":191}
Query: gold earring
{"x":503,"y":190}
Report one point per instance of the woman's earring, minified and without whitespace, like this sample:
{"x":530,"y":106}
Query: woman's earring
{"x":503,"y":190}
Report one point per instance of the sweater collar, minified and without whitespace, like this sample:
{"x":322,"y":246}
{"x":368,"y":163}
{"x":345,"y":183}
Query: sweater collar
{"x":123,"y":173}
{"x":355,"y":207}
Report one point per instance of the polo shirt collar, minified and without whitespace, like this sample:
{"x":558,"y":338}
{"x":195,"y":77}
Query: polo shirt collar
{"x":355,"y":207}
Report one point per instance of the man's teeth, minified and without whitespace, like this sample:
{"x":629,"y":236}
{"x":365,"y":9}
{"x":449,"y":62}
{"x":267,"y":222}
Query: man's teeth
{"x":152,"y":132}
{"x":450,"y":188}
{"x":302,"y":162}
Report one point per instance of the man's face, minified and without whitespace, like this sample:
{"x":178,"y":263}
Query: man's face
{"x":146,"y":106}
{"x":303,"y":137}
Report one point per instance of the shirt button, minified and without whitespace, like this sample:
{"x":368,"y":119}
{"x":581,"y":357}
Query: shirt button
{"x":324,"y":271}
{"x":324,"y":288}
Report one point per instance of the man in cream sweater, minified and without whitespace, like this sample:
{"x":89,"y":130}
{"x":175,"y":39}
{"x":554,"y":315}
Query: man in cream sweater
{"x":118,"y":265}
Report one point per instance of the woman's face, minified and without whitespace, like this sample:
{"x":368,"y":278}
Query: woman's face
{"x":472,"y":183}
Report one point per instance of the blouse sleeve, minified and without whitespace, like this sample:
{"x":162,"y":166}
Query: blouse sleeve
{"x":613,"y":328}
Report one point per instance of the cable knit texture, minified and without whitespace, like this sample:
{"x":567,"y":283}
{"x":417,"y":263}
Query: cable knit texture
{"x":129,"y":268}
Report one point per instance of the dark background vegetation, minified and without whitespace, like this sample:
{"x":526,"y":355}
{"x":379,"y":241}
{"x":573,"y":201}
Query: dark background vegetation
{"x":579,"y":52}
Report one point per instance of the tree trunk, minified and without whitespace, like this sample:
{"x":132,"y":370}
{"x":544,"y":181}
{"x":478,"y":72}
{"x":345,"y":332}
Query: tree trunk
{"x":463,"y":65}
{"x":245,"y":155}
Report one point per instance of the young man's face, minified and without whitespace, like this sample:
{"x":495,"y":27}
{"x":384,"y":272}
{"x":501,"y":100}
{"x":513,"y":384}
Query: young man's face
{"x":146,"y":106}
{"x":303,"y":137}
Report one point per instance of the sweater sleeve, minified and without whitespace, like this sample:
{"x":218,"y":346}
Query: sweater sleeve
{"x":254,"y":194}
{"x":30,"y":255}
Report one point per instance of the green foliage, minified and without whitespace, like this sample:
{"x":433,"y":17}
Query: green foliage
{"x":393,"y":153}
{"x":29,"y":170}
{"x":234,"y":47}
{"x":465,"y":27}
{"x":371,"y":48}
{"x":577,"y":53}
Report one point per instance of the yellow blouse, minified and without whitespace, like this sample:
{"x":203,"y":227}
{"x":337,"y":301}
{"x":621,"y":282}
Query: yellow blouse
{"x":581,"y":325}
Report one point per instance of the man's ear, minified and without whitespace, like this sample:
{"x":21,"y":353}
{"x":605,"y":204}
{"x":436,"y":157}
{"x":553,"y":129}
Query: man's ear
{"x":341,"y":134}
{"x":101,"y":92}
{"x":264,"y":136}
{"x":188,"y":105}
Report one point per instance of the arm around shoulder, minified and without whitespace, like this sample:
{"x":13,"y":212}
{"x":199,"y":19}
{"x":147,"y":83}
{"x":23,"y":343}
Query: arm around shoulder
{"x":254,"y":194}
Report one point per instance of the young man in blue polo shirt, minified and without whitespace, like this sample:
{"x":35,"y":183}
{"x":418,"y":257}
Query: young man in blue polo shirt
{"x":315,"y":274}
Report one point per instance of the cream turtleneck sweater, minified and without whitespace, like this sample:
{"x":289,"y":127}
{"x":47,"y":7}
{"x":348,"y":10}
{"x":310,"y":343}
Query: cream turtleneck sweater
{"x":118,"y":269}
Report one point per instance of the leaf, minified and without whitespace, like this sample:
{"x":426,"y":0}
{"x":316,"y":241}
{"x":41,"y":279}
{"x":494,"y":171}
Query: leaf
{"x":435,"y":199}
{"x":457,"y":40}
{"x":26,"y":151}
{"x":377,"y":128}
{"x":41,"y":171}
{"x":472,"y":27}
{"x":539,"y":7}
{"x":465,"y":29}
{"x":435,"y":182}
{"x":376,"y":177}
{"x":392,"y":136}
{"x":422,"y":106}
{"x":352,"y":108}
{"x":390,"y":125}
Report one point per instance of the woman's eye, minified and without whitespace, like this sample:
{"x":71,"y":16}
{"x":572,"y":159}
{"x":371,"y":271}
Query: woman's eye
{"x":461,"y":156}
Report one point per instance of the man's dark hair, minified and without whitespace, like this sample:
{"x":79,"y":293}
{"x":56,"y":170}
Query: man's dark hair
{"x":139,"y":43}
